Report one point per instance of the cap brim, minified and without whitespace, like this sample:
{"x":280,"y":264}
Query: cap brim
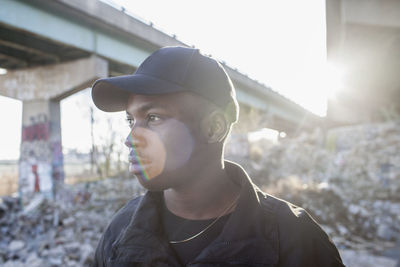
{"x":111,"y":94}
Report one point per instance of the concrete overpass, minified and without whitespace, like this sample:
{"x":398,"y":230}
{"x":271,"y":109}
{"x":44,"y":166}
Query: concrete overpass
{"x":53,"y":49}
{"x":363,"y":39}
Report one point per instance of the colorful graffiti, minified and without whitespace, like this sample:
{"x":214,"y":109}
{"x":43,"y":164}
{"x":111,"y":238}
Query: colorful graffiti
{"x":39,"y":129}
{"x":35,"y":177}
{"x":41,"y":162}
{"x":36,"y":149}
{"x":35,"y":173}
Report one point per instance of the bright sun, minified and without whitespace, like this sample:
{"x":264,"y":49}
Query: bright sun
{"x":333,"y":80}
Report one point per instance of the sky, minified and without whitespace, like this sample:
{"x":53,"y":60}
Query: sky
{"x":279,"y":43}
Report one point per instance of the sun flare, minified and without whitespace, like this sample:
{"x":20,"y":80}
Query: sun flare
{"x":333,"y":80}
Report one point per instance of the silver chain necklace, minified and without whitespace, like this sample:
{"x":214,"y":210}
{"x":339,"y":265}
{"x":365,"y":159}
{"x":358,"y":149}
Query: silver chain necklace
{"x":208,"y":226}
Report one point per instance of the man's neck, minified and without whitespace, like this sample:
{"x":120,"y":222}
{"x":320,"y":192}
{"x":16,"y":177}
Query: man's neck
{"x":206,"y":196}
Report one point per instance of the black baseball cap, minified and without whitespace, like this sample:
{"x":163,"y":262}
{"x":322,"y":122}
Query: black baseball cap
{"x":170,"y":70}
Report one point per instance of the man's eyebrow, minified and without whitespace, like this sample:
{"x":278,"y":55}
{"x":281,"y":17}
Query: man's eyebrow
{"x":146,"y":107}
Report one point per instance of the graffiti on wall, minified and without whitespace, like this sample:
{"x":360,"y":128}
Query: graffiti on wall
{"x":39,"y":150}
{"x":35,"y":168}
{"x":57,"y":162}
{"x":35,"y":138}
{"x":35,"y":177}
{"x":39,"y":129}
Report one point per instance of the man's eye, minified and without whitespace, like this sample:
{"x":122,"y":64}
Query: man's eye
{"x":131,"y":122}
{"x":153,"y":118}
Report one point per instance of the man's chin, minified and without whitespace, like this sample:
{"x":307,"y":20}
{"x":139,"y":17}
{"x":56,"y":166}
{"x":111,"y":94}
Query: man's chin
{"x":155,"y":184}
{"x":150,"y":176}
{"x":146,"y":172}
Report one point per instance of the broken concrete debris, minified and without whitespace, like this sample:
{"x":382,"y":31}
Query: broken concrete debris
{"x":64,"y":232}
{"x":347,"y":178}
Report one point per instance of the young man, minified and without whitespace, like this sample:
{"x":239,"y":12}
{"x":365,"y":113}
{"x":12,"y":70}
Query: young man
{"x":199,"y":209}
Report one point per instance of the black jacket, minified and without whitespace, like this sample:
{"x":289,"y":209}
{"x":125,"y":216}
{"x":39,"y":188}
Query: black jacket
{"x":262,"y":231}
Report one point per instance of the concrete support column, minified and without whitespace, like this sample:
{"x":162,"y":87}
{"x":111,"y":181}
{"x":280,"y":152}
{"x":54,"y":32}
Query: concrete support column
{"x":41,"y":161}
{"x":41,"y":89}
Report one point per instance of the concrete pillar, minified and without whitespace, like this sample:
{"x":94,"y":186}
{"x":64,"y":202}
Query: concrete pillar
{"x":41,"y":161}
{"x":41,"y":89}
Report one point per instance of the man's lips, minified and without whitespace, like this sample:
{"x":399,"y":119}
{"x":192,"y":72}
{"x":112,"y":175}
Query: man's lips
{"x":135,"y":166}
{"x":137,"y":161}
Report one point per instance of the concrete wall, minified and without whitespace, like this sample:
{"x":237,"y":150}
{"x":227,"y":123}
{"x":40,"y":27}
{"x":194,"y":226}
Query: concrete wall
{"x":363,"y":40}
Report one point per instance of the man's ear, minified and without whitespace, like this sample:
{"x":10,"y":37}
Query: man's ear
{"x":214,"y":127}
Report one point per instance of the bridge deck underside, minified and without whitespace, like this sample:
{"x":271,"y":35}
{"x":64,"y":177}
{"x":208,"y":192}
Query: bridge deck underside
{"x":21,"y":49}
{"x":33,"y":34}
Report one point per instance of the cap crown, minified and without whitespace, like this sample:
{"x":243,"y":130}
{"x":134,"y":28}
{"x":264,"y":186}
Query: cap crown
{"x":170,"y":70}
{"x":193,"y":71}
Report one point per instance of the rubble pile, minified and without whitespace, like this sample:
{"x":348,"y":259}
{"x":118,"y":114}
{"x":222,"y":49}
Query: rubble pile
{"x":348,"y":179}
{"x":64,"y":232}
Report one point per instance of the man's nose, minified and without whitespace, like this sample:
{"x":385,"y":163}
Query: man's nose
{"x":136,"y":138}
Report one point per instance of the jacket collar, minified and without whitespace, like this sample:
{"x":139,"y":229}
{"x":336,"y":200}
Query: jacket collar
{"x":250,"y":231}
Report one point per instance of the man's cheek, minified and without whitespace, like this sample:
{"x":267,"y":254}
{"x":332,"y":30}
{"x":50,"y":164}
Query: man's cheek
{"x":157,"y":166}
{"x":155,"y":156}
{"x":179,"y":146}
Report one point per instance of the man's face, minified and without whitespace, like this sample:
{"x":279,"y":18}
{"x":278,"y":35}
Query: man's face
{"x":164,"y":140}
